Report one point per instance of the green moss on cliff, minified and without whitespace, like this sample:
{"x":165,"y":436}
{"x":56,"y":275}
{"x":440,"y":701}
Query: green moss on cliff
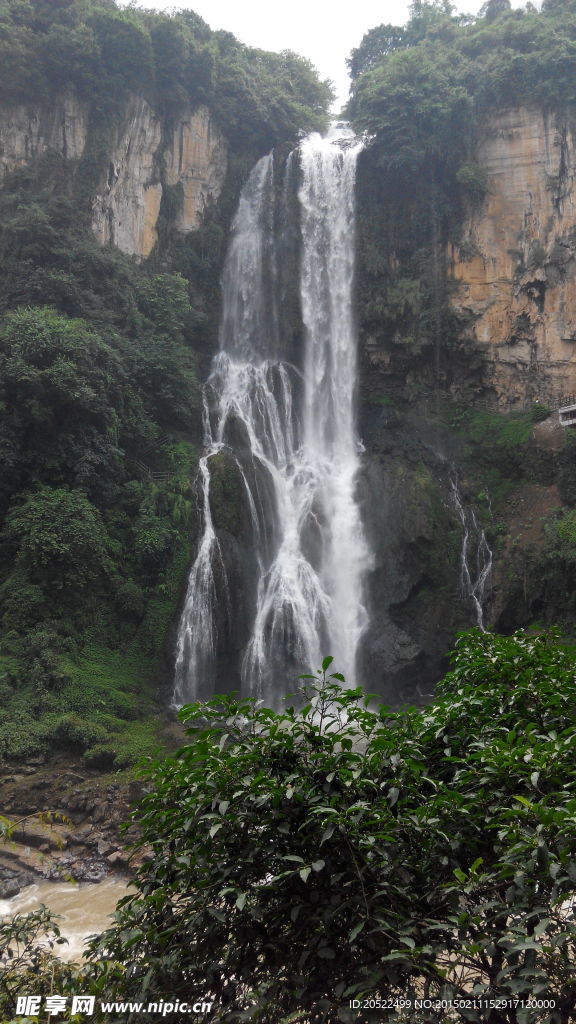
{"x":226,"y":494}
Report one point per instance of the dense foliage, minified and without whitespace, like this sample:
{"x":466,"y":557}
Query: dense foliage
{"x":103,"y":52}
{"x":98,"y":416}
{"x":29,"y":944}
{"x":337,"y":852}
{"x":459,"y":66}
{"x":99,"y":394}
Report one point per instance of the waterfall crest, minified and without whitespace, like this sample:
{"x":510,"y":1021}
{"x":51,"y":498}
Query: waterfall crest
{"x":287,"y":434}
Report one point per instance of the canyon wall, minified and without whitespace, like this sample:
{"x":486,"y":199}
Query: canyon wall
{"x":147,"y":157}
{"x":515,"y":262}
{"x":510,"y":274}
{"x":27,"y":133}
{"x":455,"y":336}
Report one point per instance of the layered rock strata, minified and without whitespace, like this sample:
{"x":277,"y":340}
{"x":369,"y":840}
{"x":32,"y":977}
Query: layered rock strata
{"x":27,"y":133}
{"x":147,"y":157}
{"x":516,"y":261}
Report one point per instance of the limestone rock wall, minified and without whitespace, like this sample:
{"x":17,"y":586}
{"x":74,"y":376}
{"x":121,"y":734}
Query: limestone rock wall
{"x":27,"y":133}
{"x":516,"y":263}
{"x":146,"y":157}
{"x":127,"y":205}
{"x":195,"y":159}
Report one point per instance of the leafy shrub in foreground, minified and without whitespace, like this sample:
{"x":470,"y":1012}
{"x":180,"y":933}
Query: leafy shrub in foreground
{"x":334,"y":852}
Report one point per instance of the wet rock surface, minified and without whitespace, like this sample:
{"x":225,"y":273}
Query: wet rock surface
{"x":65,"y":824}
{"x":413,"y":587}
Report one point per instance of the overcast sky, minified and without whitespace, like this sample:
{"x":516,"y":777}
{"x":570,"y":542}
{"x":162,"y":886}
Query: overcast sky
{"x":316,"y":29}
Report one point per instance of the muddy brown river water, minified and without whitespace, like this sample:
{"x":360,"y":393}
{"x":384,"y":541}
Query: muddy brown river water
{"x":83,"y":909}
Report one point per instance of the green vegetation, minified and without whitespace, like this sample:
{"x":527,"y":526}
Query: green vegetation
{"x":542,"y":582}
{"x":99,"y":397}
{"x":421,"y":92}
{"x":29,"y":945}
{"x":104,"y":52}
{"x":421,"y":89}
{"x":497,"y":446}
{"x":337,"y":852}
{"x":97,"y":510}
{"x":506,"y":431}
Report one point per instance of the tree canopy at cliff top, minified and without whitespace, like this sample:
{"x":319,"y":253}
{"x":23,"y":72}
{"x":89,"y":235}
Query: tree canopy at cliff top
{"x":104,"y":51}
{"x":419,"y":88}
{"x":421,"y":92}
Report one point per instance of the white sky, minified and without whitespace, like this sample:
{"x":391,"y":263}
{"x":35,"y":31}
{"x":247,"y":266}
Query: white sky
{"x":317,"y":29}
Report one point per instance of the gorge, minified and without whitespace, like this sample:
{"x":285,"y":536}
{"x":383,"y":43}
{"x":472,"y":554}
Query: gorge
{"x":278,"y":412}
{"x":321,"y":517}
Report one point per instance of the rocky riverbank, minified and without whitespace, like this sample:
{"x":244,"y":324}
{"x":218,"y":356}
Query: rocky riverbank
{"x":65,"y":823}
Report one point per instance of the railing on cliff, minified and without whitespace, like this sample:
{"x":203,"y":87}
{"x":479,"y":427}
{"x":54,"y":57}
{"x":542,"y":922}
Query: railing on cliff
{"x":567,"y":411}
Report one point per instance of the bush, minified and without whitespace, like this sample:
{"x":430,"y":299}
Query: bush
{"x":60,"y":538}
{"x":28,"y":963}
{"x":336,"y":852}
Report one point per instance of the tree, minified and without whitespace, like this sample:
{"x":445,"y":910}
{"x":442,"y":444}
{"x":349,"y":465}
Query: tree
{"x":62,"y":390}
{"x":337,"y":852}
{"x":416,"y":107}
{"x":493,"y":9}
{"x":60,"y":539}
{"x":376,"y":44}
{"x":28,"y":961}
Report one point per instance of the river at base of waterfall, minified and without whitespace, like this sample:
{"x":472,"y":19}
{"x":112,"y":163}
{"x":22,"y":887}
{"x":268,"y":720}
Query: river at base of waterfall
{"x":82,"y":910}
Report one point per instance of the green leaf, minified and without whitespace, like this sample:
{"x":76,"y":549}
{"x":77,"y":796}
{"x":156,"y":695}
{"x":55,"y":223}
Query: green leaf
{"x":392,"y":795}
{"x":304,"y":873}
{"x":524,"y":801}
{"x":329,"y":832}
{"x":327,"y":662}
{"x":356,"y":930}
{"x":317,"y":865}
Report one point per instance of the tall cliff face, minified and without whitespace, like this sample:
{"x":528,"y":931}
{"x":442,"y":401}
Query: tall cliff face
{"x":27,"y":133}
{"x":515,"y":264}
{"x":468,"y":321}
{"x":146,"y":157}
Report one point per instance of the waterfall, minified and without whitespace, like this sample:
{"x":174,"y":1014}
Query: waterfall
{"x":282,"y":426}
{"x":475,"y":569}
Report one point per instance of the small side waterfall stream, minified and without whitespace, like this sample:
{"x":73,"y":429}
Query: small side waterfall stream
{"x":475,"y":555}
{"x":283,"y":426}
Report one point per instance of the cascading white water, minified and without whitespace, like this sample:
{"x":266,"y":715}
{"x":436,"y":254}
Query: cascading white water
{"x":475,"y":572}
{"x":289,"y":434}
